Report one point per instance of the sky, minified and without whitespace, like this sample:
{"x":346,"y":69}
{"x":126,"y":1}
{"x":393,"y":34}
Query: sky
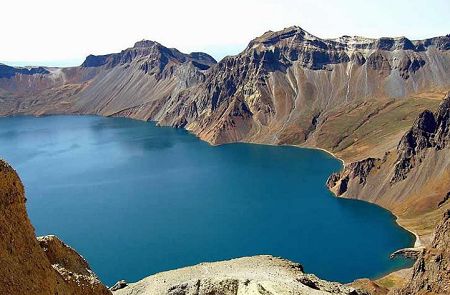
{"x":63,"y":33}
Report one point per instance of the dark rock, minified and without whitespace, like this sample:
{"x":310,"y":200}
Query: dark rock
{"x":446,"y":198}
{"x":9,"y":72}
{"x":429,"y":131}
{"x":119,"y":285}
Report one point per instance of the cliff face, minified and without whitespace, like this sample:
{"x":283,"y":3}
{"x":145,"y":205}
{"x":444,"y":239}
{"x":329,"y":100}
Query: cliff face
{"x":30,"y":267}
{"x":431,"y":272}
{"x":282,"y":88}
{"x":413,"y":179}
{"x":286,"y":87}
{"x":248,"y":275}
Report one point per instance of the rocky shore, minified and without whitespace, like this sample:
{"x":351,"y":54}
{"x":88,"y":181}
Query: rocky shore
{"x":374,"y":103}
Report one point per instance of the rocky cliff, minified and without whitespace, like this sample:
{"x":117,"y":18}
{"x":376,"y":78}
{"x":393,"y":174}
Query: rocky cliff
{"x":286,"y":87}
{"x":29,"y":266}
{"x":413,"y":179}
{"x":431,"y":272}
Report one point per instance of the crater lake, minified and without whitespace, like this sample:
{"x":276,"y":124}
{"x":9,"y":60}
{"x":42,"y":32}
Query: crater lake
{"x":135,"y":199}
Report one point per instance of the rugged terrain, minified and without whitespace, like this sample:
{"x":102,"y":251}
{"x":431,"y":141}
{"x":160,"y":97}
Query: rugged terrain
{"x":355,"y":97}
{"x":286,"y":87}
{"x":412,"y":180}
{"x":36,"y":266}
{"x":352,"y":96}
{"x":248,"y":275}
{"x":431,"y":272}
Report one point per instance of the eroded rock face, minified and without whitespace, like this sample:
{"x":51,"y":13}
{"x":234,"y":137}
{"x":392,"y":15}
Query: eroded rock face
{"x":429,"y":131}
{"x":411,"y":180}
{"x":431,"y":272}
{"x":358,"y":171}
{"x":72,"y":267}
{"x":25,"y":267}
{"x":249,"y":275}
{"x":279,"y":90}
{"x":413,"y":144}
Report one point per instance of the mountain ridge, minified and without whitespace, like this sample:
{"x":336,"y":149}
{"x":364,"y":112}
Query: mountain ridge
{"x":286,"y":88}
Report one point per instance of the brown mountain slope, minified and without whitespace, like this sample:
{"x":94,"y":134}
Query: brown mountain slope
{"x":139,"y":82}
{"x":286,"y":87}
{"x":413,"y":180}
{"x":431,"y":272}
{"x":25,"y":267}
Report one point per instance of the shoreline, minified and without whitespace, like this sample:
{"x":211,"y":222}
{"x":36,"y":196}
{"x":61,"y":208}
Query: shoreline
{"x":417,"y":242}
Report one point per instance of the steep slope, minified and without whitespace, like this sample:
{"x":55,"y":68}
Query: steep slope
{"x":139,"y":82}
{"x":25,"y":267}
{"x":412,"y":180}
{"x":431,"y":272}
{"x":429,"y":275}
{"x":248,"y":275}
{"x":282,"y":87}
{"x":286,"y":87}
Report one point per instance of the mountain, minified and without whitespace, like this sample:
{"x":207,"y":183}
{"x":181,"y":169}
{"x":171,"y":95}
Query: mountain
{"x":139,"y":82}
{"x":412,"y":180}
{"x":374,"y":103}
{"x":286,"y":87}
{"x":430,"y":273}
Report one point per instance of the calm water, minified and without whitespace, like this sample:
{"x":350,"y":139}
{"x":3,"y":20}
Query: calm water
{"x":135,"y":199}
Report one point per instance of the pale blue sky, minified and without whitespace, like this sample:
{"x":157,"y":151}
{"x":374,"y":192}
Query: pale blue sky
{"x":62,"y":33}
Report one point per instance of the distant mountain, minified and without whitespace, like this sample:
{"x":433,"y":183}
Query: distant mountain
{"x":353,"y":96}
{"x":283,"y":88}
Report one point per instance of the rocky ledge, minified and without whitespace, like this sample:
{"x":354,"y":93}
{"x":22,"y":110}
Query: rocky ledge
{"x":262,"y":274}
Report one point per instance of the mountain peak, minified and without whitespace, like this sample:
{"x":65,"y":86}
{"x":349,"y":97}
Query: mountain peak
{"x":145,"y":43}
{"x":271,"y":38}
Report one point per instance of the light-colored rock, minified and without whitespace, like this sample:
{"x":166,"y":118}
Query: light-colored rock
{"x":248,"y":275}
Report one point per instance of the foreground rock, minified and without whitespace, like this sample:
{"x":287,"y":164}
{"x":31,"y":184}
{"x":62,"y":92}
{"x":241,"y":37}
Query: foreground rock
{"x":431,"y":272}
{"x":249,"y":275}
{"x":29,"y":266}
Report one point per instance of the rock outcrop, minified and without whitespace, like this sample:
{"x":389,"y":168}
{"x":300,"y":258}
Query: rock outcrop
{"x":29,"y":266}
{"x":286,"y":87}
{"x":413,"y":179}
{"x":431,"y":272}
{"x":249,"y":275}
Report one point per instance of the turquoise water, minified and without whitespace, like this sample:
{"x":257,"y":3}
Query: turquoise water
{"x":135,"y":199}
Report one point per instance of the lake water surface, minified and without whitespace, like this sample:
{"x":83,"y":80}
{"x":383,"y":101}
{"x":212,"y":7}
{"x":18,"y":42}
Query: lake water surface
{"x":135,"y":199}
